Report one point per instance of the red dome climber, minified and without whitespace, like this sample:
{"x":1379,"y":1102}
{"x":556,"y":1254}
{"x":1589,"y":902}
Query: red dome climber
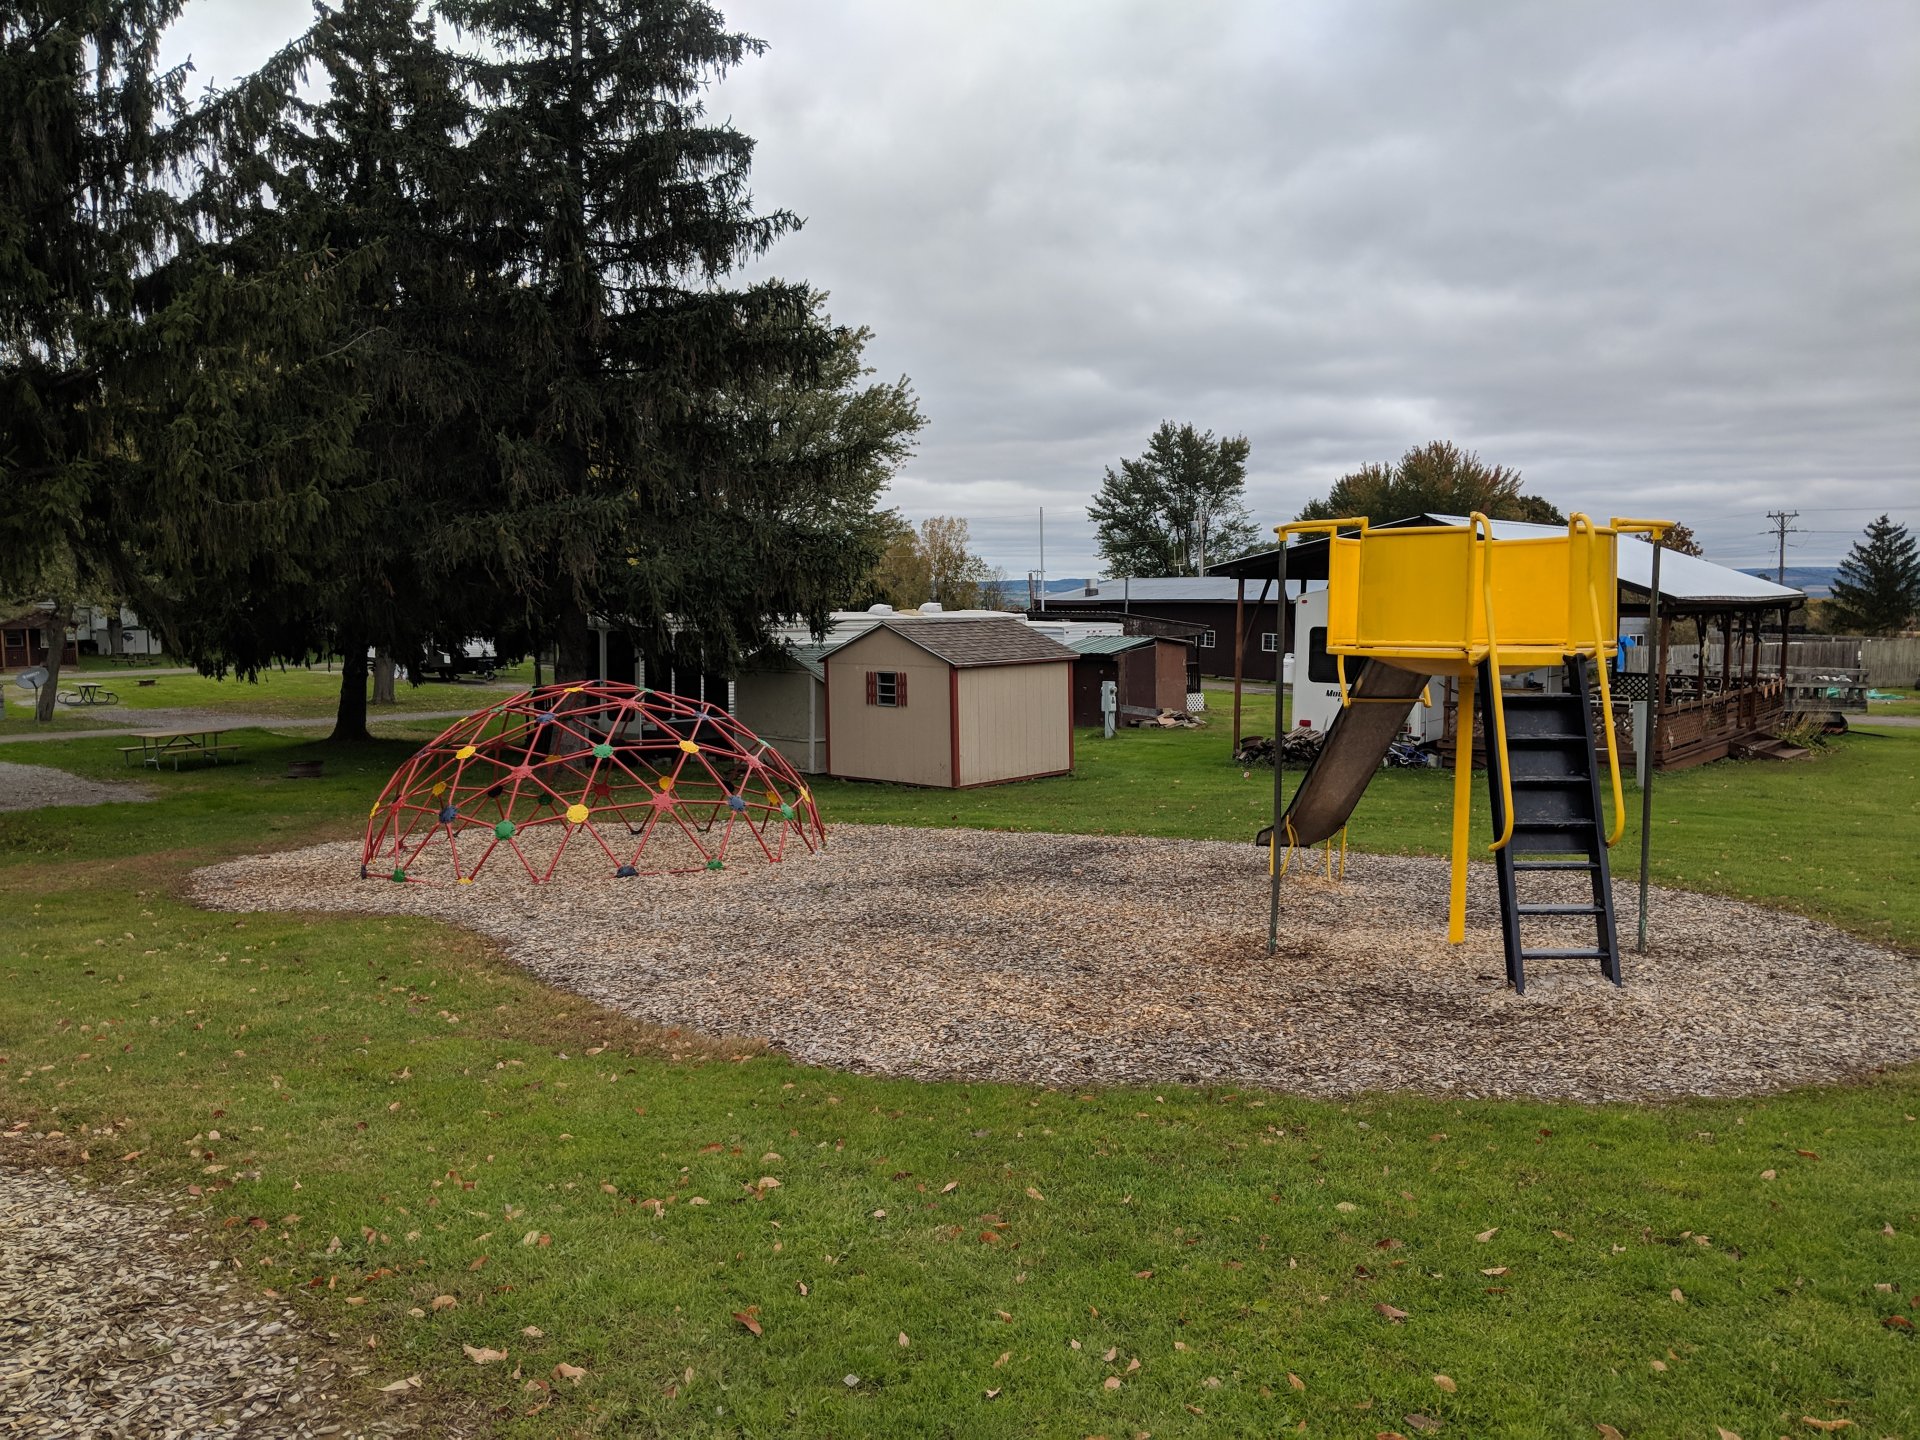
{"x":594,"y":774}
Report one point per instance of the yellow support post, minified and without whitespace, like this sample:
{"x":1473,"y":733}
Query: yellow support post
{"x":1462,"y":806}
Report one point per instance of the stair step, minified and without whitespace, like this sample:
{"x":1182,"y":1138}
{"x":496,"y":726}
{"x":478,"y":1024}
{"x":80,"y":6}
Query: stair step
{"x":1559,"y":910}
{"x":1545,"y":782}
{"x":1520,"y":822}
{"x":1535,"y":742}
{"x":1565,"y":955}
{"x":1556,"y":864}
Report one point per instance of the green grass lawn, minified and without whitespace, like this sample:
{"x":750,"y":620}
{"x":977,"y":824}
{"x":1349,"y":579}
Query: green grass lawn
{"x":410,"y":1118}
{"x":291,"y":694}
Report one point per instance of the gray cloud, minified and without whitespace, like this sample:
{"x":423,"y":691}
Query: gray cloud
{"x":1665,"y":259}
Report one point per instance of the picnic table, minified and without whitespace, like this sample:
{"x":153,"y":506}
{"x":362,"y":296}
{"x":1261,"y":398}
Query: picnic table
{"x":88,"y":692}
{"x":174,"y":746}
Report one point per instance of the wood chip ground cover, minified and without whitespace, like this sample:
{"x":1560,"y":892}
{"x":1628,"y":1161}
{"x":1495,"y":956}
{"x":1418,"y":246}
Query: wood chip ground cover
{"x":1068,"y":960}
{"x":111,"y":1326}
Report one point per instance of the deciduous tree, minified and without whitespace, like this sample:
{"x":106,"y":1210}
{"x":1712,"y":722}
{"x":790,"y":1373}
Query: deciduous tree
{"x":1178,"y":507}
{"x":1439,"y":478}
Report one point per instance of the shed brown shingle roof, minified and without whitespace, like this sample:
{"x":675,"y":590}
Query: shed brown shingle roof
{"x":966,"y":644}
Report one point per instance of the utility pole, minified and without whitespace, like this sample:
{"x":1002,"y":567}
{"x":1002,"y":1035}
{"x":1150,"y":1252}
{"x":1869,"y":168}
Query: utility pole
{"x":1783,"y":527}
{"x":1043,"y":558}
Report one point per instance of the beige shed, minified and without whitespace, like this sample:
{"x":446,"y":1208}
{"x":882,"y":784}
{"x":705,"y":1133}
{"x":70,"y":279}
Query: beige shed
{"x":949,"y":702}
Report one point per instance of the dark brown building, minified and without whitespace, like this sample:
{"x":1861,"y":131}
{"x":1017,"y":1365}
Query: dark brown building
{"x":1205,"y":602}
{"x":23,"y":643}
{"x":1149,"y":671}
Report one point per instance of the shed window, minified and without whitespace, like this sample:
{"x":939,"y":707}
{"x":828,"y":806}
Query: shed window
{"x":1206,"y":640}
{"x":1267,"y":643}
{"x":887,"y":687}
{"x":1322,"y":667}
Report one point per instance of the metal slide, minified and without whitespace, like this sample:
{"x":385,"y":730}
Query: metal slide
{"x":1356,"y":743}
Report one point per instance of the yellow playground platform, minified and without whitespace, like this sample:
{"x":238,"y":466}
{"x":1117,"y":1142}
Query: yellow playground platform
{"x":1454,"y":600}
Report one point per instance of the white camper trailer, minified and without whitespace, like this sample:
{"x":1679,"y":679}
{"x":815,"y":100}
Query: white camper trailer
{"x":1315,"y":675}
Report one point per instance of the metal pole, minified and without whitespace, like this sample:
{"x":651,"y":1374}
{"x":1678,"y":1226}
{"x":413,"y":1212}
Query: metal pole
{"x":1655,"y":677}
{"x":1279,"y":752}
{"x":1043,"y":559}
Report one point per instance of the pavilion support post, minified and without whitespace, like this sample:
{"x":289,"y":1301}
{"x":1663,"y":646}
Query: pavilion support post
{"x":1239,"y":652}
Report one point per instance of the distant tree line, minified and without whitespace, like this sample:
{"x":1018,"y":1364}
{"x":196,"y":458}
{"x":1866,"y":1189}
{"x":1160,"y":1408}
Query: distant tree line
{"x":424,"y":330}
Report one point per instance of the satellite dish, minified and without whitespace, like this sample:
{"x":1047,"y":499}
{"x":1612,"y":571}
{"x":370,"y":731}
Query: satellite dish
{"x":31,"y":679}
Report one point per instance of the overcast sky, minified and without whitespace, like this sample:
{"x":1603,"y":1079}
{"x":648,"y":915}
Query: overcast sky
{"x":1664,"y":259}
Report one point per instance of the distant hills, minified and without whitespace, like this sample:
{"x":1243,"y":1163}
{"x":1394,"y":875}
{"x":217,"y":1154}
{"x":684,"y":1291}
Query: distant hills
{"x":1816,"y":580}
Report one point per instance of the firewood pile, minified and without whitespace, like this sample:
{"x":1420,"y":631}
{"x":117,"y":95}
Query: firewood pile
{"x":1298,"y":747}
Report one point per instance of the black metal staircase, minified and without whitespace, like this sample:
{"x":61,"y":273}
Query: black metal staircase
{"x":1558,"y":824}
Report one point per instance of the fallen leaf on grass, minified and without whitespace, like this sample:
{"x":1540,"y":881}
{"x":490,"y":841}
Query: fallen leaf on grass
{"x":1725,"y":1433}
{"x":1679,"y":1295}
{"x":1005,"y":1355}
{"x":993,"y":1394}
{"x":575,"y":1373}
{"x":1346,"y":1207}
{"x":481,"y":1356}
{"x":444,"y":1302}
{"x":904,"y":1341}
{"x":533,"y":1332}
{"x":1446,"y":1383}
{"x":1423,"y":1422}
{"x":1486,"y":1235}
{"x":1033,"y":1194}
{"x":1393,"y":1314}
{"x":1607,"y":1432}
{"x":1897,"y":1322}
{"x":1496,"y":1270}
{"x":1111,"y":1355}
{"x":1559,"y":1234}
{"x":1143,"y":1274}
{"x":1826,"y":1424}
{"x":1112,"y":1382}
{"x":749,"y":1320}
{"x":1659,"y":1366}
{"x":1809,"y":1155}
{"x":949,"y":1188}
{"x":401,"y":1387}
{"x":1295,"y":1381}
{"x":1769,"y":1174}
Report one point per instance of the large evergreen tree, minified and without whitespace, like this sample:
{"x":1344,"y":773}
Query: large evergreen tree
{"x":1877,"y":591}
{"x":633,"y":470}
{"x":1438,"y":478}
{"x":84,"y":217}
{"x":1177,"y":508}
{"x":358,"y":192}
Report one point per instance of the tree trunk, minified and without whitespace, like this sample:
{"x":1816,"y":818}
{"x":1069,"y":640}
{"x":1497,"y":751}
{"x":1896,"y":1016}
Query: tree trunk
{"x":577,"y":655}
{"x":350,"y":720}
{"x":53,"y":635}
{"x":382,"y":678}
{"x":116,"y":636}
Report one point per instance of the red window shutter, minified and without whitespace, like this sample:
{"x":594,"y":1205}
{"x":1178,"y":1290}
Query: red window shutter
{"x":900,"y":689}
{"x":873,"y":688}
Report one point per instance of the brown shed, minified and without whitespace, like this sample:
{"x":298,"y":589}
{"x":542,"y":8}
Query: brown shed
{"x":950,"y":703}
{"x":1150,"y":672}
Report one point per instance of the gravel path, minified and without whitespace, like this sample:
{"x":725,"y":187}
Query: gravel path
{"x":1068,"y":960}
{"x":30,"y":787}
{"x":111,"y":1326}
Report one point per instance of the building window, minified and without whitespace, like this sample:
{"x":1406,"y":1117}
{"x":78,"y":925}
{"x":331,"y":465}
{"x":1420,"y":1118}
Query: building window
{"x":1206,"y":640}
{"x":887,"y":687}
{"x":1267,"y":644}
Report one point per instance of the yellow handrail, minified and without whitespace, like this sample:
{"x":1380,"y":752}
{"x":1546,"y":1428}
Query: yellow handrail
{"x":1479,"y":576}
{"x":1579,"y":524}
